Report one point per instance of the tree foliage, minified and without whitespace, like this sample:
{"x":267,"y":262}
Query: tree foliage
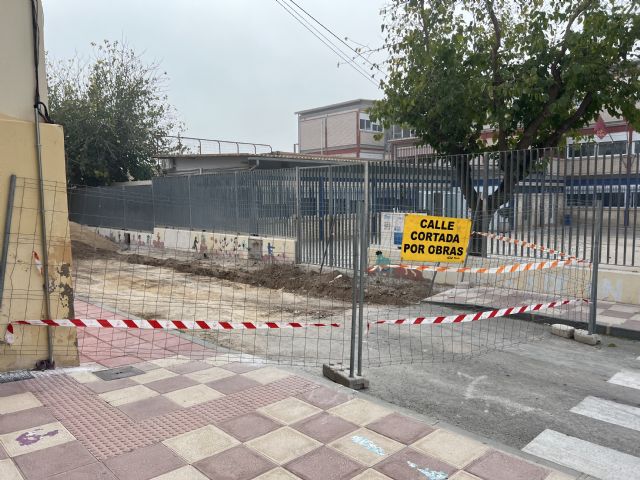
{"x":530,"y":71}
{"x":114,"y":112}
{"x":533,"y":71}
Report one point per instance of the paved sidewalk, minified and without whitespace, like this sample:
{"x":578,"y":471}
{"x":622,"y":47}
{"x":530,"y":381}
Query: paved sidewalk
{"x":183,"y":419}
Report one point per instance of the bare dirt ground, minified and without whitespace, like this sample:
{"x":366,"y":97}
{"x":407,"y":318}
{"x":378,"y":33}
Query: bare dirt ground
{"x":179,"y":285}
{"x":155,"y":284}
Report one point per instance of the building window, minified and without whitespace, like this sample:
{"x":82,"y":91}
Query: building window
{"x":399,"y":132}
{"x":369,"y":126}
{"x":603,"y":148}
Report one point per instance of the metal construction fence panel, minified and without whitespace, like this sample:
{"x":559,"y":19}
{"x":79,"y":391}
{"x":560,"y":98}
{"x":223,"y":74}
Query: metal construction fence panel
{"x":306,"y":272}
{"x":545,"y":196}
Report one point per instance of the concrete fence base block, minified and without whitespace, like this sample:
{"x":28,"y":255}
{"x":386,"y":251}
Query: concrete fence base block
{"x":338,"y":374}
{"x":583,"y":336}
{"x":561,"y":330}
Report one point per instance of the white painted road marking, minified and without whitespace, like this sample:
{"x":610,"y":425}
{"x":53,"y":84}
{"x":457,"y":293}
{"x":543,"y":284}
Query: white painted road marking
{"x":471,"y":393}
{"x":608,"y":411}
{"x":626,"y":378}
{"x":596,"y":460}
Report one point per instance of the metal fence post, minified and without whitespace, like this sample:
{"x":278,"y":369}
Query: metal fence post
{"x":235,"y":187}
{"x":595,"y":262}
{"x":189,"y":190}
{"x":298,"y":219}
{"x":354,"y":302}
{"x":7,"y":233}
{"x":485,"y":203}
{"x":364,"y":259}
{"x":124,"y":208}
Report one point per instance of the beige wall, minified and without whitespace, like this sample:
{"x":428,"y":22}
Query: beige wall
{"x":17,"y":84}
{"x":342,"y":130}
{"x":311,"y":134}
{"x":333,"y":131}
{"x":24,"y":293}
{"x":23,"y":296}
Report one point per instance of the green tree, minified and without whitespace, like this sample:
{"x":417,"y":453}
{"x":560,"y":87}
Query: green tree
{"x":114,"y":112}
{"x":533,"y":71}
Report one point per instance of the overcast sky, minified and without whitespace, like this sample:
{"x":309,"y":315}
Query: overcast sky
{"x":238,"y":69}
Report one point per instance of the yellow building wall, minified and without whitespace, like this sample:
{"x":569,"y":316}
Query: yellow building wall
{"x":23,"y":295}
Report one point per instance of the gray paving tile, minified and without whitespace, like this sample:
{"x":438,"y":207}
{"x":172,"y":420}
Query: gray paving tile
{"x":238,"y":463}
{"x":407,"y":465}
{"x":53,"y":460}
{"x":324,"y":464}
{"x":325,"y":427}
{"x":324,"y":398}
{"x":234,"y":384}
{"x":248,"y":427}
{"x":171,"y":384}
{"x":150,"y":407}
{"x":25,"y":419}
{"x":144,"y":463}
{"x":93,"y":471}
{"x":500,"y":466}
{"x":400,"y":428}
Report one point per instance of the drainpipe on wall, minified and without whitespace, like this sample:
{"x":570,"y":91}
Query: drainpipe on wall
{"x":43,"y":221}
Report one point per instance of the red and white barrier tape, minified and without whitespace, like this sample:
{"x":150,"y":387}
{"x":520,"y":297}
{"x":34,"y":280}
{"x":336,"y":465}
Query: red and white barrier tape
{"x":530,"y":245}
{"x":161,"y":325}
{"x":472,"y":317}
{"x":37,"y":261}
{"x":516,"y":267}
{"x":513,"y":268}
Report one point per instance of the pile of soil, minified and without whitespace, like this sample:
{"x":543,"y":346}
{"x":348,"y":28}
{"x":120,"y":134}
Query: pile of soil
{"x":85,"y":242}
{"x":294,"y":279}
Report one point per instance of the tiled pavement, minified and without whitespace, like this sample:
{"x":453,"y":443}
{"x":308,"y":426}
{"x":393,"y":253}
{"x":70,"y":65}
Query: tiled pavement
{"x":183,"y":419}
{"x":609,"y":314}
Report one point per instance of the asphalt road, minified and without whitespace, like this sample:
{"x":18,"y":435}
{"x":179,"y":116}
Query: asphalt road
{"x":514,"y":394}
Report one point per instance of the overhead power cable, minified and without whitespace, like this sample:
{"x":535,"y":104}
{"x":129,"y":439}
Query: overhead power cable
{"x":325,"y":40}
{"x":371,"y":64}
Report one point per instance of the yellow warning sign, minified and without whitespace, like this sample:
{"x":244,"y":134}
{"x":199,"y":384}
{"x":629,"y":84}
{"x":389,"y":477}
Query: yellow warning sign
{"x":435,"y":239}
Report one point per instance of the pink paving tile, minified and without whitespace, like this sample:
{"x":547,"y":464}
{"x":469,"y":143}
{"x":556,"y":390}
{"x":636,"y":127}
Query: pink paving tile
{"x":238,"y":463}
{"x":242,"y":367}
{"x":146,"y":366}
{"x":118,"y":361}
{"x":189,"y":367}
{"x":25,"y":419}
{"x":325,"y":427}
{"x":404,"y":465}
{"x":234,"y":384}
{"x":102,"y":387}
{"x":190,"y":349}
{"x":400,"y":428}
{"x":249,"y":426}
{"x":53,"y":460}
{"x":144,"y":463}
{"x":150,"y":407}
{"x":324,"y":464}
{"x":171,"y":384}
{"x":324,"y":398}
{"x":11,"y":388}
{"x":500,"y":466}
{"x":93,"y":471}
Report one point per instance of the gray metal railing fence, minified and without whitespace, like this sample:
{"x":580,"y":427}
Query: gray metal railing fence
{"x":545,"y":196}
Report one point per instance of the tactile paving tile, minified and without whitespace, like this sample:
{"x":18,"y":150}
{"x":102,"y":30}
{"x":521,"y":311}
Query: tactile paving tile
{"x":106,"y":431}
